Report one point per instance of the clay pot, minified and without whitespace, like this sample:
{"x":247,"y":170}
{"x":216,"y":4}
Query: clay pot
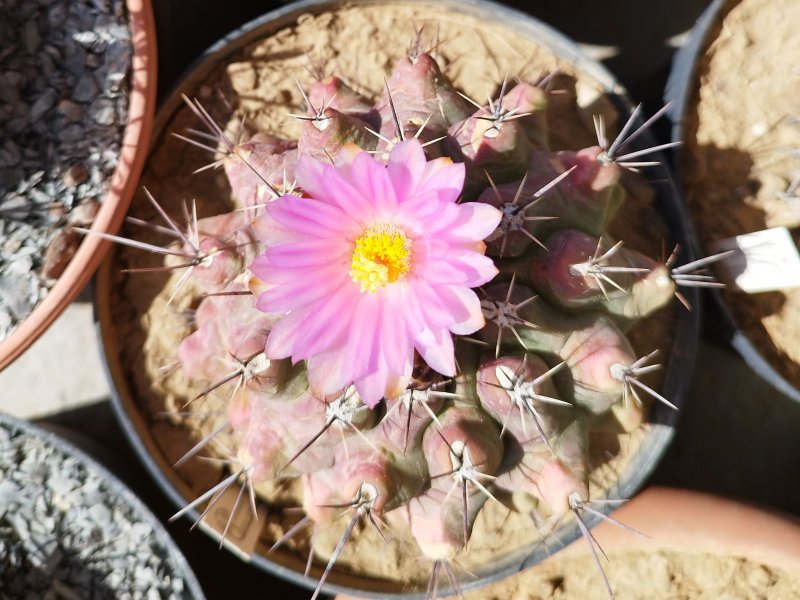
{"x":737,"y":160}
{"x":697,"y":545}
{"x":142,"y":418}
{"x":92,"y":249}
{"x":688,"y":520}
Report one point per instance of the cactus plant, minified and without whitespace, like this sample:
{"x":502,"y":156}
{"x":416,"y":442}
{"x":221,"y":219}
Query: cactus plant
{"x":416,"y":308}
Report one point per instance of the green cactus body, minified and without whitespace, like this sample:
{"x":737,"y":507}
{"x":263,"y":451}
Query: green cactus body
{"x":551,"y":365}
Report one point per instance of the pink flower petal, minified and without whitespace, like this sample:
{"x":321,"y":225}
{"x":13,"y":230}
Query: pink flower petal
{"x":416,"y":323}
{"x":311,"y":217}
{"x":310,"y":176}
{"x":281,"y":338}
{"x":391,"y":371}
{"x":439,"y":354}
{"x":415,"y":215}
{"x":459,"y":267}
{"x":396,"y":347}
{"x":347,"y":154}
{"x":464,"y":305}
{"x":364,"y":352}
{"x":326,"y":327}
{"x":362,"y":348}
{"x":406,"y":167}
{"x":435,"y":314}
{"x":272,"y":276}
{"x":260,"y":266}
{"x":328,"y":374}
{"x":469,"y":221}
{"x":299,"y":292}
{"x":326,"y":183}
{"x":270,"y":232}
{"x":311,"y":253}
{"x":372,"y":180}
{"x":445,"y":178}
{"x":372,"y":386}
{"x":342,"y":191}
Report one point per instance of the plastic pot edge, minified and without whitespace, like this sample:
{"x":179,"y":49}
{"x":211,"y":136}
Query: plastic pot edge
{"x":118,"y":488}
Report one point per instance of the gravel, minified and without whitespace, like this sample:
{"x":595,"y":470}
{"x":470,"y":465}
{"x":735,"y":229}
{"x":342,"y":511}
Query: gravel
{"x":64,"y":72}
{"x":66,"y":534}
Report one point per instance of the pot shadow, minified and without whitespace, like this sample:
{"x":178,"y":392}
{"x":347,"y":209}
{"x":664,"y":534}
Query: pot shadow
{"x":184,"y":32}
{"x":719,"y":188}
{"x":635,"y":48}
{"x":65,"y":576}
{"x":719,"y":184}
{"x":737,"y":436}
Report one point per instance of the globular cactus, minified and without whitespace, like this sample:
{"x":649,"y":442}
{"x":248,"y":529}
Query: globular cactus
{"x":418,"y":308}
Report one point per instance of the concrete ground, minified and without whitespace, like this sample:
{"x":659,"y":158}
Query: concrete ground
{"x":62,"y":371}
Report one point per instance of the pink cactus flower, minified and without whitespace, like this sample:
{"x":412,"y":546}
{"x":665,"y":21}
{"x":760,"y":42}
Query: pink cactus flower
{"x":376,"y":262}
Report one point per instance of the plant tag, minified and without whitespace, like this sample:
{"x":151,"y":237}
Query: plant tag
{"x":763,"y":261}
{"x":245,"y":529}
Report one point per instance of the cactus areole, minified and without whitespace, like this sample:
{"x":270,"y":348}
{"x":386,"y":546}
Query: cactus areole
{"x":418,"y":322}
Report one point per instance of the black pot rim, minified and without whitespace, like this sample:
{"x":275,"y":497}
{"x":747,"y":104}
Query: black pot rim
{"x":118,"y":488}
{"x":682,"y":355}
{"x":680,"y":90}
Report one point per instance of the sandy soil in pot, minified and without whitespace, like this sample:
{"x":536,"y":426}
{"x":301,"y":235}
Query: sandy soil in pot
{"x":741,"y":155}
{"x":700,"y":547}
{"x":644,"y":576}
{"x":361,"y":45}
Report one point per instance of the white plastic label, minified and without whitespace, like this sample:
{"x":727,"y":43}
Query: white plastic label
{"x":763,"y":261}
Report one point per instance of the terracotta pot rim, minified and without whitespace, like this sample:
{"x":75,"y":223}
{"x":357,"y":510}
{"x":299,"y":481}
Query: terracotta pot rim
{"x":687,"y":520}
{"x":134,"y":147}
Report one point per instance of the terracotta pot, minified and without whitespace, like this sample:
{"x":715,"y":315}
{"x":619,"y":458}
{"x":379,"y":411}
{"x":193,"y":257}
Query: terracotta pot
{"x":768,"y":350}
{"x":134,"y":145}
{"x":680,"y":525}
{"x":687,"y":520}
{"x":138,"y":416}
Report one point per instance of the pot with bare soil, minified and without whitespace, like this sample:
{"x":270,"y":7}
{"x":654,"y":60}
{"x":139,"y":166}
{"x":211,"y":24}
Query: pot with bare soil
{"x":396,"y":318}
{"x":696,"y":546}
{"x":736,"y":109}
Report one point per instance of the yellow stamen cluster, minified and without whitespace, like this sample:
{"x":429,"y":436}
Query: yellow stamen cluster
{"x":382,"y":255}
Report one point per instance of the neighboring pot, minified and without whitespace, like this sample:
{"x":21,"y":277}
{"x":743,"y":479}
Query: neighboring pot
{"x":70,"y":527}
{"x":697,"y":545}
{"x":761,"y":326}
{"x":139,"y":414}
{"x":134,"y":144}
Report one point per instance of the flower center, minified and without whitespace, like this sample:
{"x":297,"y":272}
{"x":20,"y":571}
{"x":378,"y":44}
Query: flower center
{"x":382,"y":255}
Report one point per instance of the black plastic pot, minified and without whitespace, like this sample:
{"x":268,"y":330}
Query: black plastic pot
{"x":172,"y":561}
{"x":680,"y":90}
{"x":680,"y":357}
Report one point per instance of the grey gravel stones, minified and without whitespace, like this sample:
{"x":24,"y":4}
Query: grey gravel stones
{"x":64,"y":67}
{"x":66,"y":534}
